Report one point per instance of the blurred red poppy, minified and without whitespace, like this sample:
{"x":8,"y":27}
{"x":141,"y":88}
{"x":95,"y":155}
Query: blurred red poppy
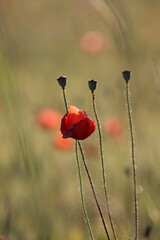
{"x":49,"y":118}
{"x":113,"y":127}
{"x":63,"y":144}
{"x":93,"y":43}
{"x":76,"y":124}
{"x":2,"y":238}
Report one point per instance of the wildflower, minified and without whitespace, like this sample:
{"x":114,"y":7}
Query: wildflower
{"x":113,"y":127}
{"x":76,"y":124}
{"x":63,"y":144}
{"x":49,"y":118}
{"x":92,"y":43}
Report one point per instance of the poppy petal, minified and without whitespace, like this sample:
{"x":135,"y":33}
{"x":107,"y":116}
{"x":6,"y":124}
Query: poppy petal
{"x":73,"y":116}
{"x":76,"y":124}
{"x":80,"y":130}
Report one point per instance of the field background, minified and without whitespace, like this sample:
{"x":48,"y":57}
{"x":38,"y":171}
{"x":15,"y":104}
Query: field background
{"x":39,"y":187}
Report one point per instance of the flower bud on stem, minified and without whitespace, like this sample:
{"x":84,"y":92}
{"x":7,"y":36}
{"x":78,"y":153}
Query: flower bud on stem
{"x":126,"y":76}
{"x":92,"y":86}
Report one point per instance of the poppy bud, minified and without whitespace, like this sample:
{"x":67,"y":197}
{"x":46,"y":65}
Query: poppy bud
{"x":126,"y":75}
{"x":62,"y":81}
{"x":92,"y":85}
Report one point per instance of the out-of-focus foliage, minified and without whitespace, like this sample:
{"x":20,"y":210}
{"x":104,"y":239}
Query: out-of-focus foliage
{"x":40,"y":41}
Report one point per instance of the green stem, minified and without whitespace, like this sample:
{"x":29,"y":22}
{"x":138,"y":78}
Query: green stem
{"x":82,"y":197}
{"x":93,"y":190}
{"x":133,"y":162}
{"x":80,"y":179}
{"x":103,"y":166}
{"x":65,"y":99}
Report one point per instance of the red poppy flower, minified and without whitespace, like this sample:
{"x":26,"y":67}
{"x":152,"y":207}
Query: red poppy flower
{"x":63,"y":144}
{"x":93,"y":43}
{"x":49,"y":118}
{"x":113,"y":127}
{"x":76,"y":124}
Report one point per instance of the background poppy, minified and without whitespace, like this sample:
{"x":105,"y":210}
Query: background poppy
{"x":113,"y":127}
{"x":2,"y":238}
{"x":93,"y":42}
{"x":49,"y":118}
{"x":61,"y":143}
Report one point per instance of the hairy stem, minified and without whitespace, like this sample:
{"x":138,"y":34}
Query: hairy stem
{"x":93,"y":190}
{"x":65,"y":99}
{"x":82,"y":197}
{"x":103,"y":166}
{"x":133,"y":162}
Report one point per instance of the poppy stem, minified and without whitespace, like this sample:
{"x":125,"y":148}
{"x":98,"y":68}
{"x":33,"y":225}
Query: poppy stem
{"x":81,"y":191}
{"x":133,"y":161}
{"x":93,"y":190}
{"x":80,"y":178}
{"x":103,"y":165}
{"x":65,"y":99}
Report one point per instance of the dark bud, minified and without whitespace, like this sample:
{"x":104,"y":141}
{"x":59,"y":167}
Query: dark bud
{"x":126,"y":75}
{"x":92,"y":85}
{"x":62,"y":81}
{"x":148,"y":231}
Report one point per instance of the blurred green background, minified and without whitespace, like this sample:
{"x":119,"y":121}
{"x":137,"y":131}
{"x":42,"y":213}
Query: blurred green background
{"x":39,"y":186}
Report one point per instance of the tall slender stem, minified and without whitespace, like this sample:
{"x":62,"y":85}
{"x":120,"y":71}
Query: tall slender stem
{"x":93,"y":190}
{"x":133,"y":161}
{"x":103,"y":165}
{"x":65,"y":99}
{"x":81,"y":191}
{"x":80,"y":179}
